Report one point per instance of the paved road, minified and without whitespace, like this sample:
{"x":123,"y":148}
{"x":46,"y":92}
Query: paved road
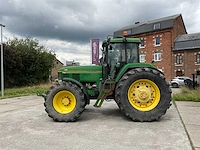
{"x":25,"y":125}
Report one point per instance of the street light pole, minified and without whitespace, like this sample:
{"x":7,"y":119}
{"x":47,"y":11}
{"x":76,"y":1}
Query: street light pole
{"x":2,"y":71}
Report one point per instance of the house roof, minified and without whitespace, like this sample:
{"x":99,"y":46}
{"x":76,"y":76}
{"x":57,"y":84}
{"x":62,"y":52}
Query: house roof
{"x":148,"y":26}
{"x":187,"y":42}
{"x":58,"y":61}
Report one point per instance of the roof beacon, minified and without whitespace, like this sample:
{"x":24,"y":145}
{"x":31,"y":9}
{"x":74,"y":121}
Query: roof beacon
{"x":125,"y":33}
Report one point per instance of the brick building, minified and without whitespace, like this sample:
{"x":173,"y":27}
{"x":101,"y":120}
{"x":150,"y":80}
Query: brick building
{"x":186,"y":55}
{"x":54,"y":72}
{"x":157,"y":40}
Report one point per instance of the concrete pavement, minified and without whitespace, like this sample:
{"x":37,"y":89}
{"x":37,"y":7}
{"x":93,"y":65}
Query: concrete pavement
{"x":25,"y":125}
{"x":190,"y":115}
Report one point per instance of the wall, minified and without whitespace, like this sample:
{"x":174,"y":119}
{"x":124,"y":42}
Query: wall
{"x":54,"y":71}
{"x":164,"y":48}
{"x":189,"y":66}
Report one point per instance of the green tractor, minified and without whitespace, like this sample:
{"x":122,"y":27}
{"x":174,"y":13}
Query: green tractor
{"x":139,"y":89}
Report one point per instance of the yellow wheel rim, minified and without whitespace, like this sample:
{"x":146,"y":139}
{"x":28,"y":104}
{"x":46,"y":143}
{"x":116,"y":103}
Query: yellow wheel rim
{"x":64,"y":102}
{"x":144,"y":95}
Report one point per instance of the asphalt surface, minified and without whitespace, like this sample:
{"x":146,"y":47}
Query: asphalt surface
{"x":24,"y":124}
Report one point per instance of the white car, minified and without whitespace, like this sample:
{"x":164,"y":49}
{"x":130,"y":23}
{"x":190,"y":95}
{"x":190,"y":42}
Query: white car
{"x":180,"y":81}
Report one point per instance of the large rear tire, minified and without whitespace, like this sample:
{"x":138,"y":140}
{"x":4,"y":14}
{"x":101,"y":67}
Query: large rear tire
{"x":64,"y":102}
{"x":143,"y":94}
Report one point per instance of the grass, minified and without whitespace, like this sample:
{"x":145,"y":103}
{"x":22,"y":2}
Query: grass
{"x":24,"y":91}
{"x":187,"y":95}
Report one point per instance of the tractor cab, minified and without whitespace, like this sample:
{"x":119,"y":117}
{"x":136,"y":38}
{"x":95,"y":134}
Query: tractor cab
{"x":118,"y":52}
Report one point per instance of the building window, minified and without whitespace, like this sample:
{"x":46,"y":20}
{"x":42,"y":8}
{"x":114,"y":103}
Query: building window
{"x":142,"y":44}
{"x":157,"y":56}
{"x":179,"y":59}
{"x":157,"y":41}
{"x":156,"y":26}
{"x":179,"y":73}
{"x":142,"y":58}
{"x":198,"y":58}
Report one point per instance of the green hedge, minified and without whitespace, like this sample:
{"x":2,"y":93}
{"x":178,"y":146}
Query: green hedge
{"x":26,"y":62}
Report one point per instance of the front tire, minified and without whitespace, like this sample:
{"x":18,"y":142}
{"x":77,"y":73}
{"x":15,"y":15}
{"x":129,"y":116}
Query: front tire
{"x":64,"y":102}
{"x":143,"y":94}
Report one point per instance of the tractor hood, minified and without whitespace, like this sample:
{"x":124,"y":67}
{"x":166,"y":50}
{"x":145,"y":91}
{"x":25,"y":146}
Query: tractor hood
{"x":81,"y":73}
{"x":81,"y":69}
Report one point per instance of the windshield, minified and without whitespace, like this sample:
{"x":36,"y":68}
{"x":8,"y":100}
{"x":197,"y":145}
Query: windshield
{"x":132,"y":52}
{"x":118,"y":53}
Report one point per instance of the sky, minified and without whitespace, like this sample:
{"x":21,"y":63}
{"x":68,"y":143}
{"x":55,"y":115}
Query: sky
{"x":66,"y":26}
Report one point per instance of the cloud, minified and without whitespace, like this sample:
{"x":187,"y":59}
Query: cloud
{"x":68,"y":25}
{"x":69,"y":51}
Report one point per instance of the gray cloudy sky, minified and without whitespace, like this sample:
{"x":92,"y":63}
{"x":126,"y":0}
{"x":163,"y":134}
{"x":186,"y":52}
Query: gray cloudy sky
{"x":68,"y":25}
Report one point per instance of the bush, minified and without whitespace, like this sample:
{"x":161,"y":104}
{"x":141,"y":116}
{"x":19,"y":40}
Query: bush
{"x":26,"y":62}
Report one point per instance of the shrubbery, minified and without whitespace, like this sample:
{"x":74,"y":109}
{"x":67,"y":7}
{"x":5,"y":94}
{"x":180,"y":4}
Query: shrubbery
{"x":26,"y":62}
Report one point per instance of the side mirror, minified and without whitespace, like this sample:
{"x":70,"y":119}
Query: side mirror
{"x":110,"y":47}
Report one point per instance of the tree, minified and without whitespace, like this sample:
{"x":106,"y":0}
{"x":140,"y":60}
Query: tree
{"x":26,"y":62}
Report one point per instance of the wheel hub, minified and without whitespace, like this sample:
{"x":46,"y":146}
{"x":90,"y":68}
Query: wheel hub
{"x":65,"y":101}
{"x":143,"y":95}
